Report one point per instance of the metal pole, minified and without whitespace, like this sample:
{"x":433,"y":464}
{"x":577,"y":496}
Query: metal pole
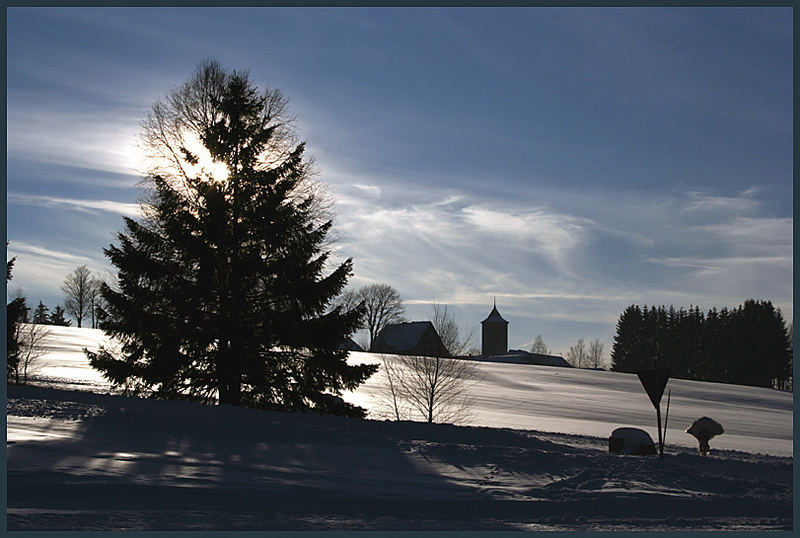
{"x":666,"y":418}
{"x":660,"y":440}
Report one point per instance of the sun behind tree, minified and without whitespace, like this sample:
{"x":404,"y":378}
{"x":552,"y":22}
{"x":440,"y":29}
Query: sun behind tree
{"x":224,"y":286}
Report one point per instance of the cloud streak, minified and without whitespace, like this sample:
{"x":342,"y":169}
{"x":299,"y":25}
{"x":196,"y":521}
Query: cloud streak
{"x":110,"y":206}
{"x":744,"y":203}
{"x":39,"y":270}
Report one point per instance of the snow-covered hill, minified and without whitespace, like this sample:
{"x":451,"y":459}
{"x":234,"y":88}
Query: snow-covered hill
{"x":545,"y":398}
{"x":78,"y":459}
{"x":592,"y":402}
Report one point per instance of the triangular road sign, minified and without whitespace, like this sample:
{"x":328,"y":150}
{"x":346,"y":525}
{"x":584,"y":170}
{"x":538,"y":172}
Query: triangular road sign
{"x":654,"y":382}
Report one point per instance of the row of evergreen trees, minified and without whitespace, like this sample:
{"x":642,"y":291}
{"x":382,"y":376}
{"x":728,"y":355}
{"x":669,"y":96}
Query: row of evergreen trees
{"x":748,"y":345}
{"x":43,"y":316}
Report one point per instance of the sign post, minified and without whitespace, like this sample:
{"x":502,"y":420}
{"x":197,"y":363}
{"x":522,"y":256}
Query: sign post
{"x":654,"y":381}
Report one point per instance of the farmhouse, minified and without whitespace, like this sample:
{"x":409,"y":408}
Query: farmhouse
{"x":413,"y":338}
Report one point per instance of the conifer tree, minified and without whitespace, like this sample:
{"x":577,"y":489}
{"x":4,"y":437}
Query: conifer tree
{"x":57,"y":317}
{"x":16,"y":312}
{"x":626,"y":350}
{"x":224,"y":289}
{"x":749,"y":345}
{"x":40,"y":314}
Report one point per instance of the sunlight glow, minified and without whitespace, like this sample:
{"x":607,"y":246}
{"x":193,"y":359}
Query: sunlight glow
{"x":206,"y":165}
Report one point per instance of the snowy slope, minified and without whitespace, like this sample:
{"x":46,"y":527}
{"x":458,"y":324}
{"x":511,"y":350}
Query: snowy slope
{"x":592,"y":402}
{"x":523,"y":396}
{"x":82,"y":460}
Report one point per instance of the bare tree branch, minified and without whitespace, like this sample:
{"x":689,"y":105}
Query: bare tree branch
{"x":435,"y":389}
{"x":595,"y":357}
{"x":539,"y":346}
{"x":383,"y":306}
{"x":78,"y":290}
{"x":31,"y":337}
{"x":577,"y":355}
{"x":446,"y":325}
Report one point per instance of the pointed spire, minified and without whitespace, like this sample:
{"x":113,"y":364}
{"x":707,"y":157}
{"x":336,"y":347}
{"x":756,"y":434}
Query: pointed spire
{"x":494,"y":315}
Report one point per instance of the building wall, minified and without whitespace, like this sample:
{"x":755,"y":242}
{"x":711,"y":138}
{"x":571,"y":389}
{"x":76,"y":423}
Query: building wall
{"x":494,"y":338}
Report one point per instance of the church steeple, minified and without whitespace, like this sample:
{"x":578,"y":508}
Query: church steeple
{"x":494,"y":333}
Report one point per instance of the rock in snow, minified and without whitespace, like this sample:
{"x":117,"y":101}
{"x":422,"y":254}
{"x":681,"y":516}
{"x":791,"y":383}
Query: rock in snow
{"x":634,"y":441}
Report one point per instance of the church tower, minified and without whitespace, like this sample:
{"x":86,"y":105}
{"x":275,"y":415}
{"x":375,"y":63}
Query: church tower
{"x":494,"y":334}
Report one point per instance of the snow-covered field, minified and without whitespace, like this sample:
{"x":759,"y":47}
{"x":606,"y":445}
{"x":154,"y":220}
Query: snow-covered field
{"x":79,"y":459}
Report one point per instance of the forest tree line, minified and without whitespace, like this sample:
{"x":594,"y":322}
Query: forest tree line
{"x":748,"y":345}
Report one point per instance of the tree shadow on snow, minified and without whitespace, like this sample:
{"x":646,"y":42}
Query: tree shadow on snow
{"x":193,"y":466}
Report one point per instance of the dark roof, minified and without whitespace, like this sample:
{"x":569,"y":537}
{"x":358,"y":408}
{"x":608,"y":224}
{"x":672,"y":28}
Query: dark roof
{"x":350,"y":345}
{"x":416,"y":338}
{"x":494,"y":317}
{"x":517,"y":356}
{"x":403,"y":335}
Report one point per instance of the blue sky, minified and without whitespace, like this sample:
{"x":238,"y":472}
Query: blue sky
{"x":568,"y":161}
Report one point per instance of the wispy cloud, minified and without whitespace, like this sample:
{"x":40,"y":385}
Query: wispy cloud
{"x":552,"y":234}
{"x":372,"y":190}
{"x":40,"y":270}
{"x":743,"y":203}
{"x":718,"y":265}
{"x":24,"y":249}
{"x":89,"y":138}
{"x":753,"y":230}
{"x":122,"y":208}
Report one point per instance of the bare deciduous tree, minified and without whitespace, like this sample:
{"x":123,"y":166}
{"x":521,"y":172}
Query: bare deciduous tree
{"x":382,"y":306}
{"x":595,"y":357}
{"x":96,"y":300}
{"x":577,"y":355}
{"x":348,"y":300}
{"x":31,"y":337}
{"x":436,"y":389}
{"x":172,"y":133}
{"x":77,"y":290}
{"x":458,"y":343}
{"x":539,"y":346}
{"x":392,"y":393}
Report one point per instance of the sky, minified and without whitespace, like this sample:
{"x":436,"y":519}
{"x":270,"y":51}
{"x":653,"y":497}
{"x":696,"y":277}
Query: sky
{"x":567,"y":162}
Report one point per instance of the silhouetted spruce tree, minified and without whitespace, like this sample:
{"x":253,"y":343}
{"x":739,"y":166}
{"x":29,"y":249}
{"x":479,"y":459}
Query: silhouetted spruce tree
{"x":749,"y":345}
{"x":57,"y":317}
{"x":653,"y":331}
{"x":16,"y":312}
{"x":224,"y":288}
{"x":713,"y":347}
{"x":40,"y":314}
{"x":687,"y":334}
{"x":761,"y":345}
{"x":626,"y":351}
